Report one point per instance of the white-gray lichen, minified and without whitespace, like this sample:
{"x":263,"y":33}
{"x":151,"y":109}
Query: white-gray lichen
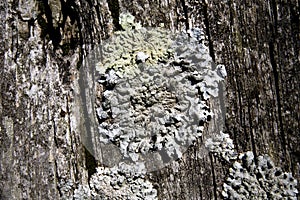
{"x":222,"y":146}
{"x":261,"y":180}
{"x":153,"y":113}
{"x":123,"y":182}
{"x":151,"y":107}
{"x":156,"y":86}
{"x":119,"y":182}
{"x":250,"y":180}
{"x":83,"y":192}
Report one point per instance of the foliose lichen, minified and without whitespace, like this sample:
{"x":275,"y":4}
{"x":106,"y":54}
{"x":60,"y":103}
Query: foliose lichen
{"x":119,"y":182}
{"x":151,"y":105}
{"x":121,"y":51}
{"x":261,"y":180}
{"x":156,"y":86}
{"x":222,"y":145}
{"x":83,"y":192}
{"x":248,"y":179}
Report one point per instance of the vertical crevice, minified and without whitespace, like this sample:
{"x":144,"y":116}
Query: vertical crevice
{"x":76,"y":174}
{"x":56,"y":175}
{"x":207,"y":30}
{"x":240,"y":111}
{"x":231,"y":16}
{"x":277,"y":91}
{"x":213,"y":176}
{"x":252,"y":134}
{"x":90,"y":163}
{"x":58,"y":182}
{"x":70,"y":9}
{"x":54,"y":33}
{"x":273,"y":30}
{"x":86,"y":87}
{"x":275,"y":15}
{"x":114,"y":9}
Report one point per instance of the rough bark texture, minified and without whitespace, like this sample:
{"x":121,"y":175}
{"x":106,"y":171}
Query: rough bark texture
{"x":43,"y":42}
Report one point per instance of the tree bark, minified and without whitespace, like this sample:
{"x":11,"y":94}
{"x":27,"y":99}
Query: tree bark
{"x":44,"y":42}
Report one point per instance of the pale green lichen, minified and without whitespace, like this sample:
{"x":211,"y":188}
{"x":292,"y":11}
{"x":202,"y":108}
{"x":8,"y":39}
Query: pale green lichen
{"x":120,"y":52}
{"x":127,"y":22}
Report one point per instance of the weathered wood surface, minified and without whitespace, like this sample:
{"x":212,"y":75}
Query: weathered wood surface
{"x":42,"y":44}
